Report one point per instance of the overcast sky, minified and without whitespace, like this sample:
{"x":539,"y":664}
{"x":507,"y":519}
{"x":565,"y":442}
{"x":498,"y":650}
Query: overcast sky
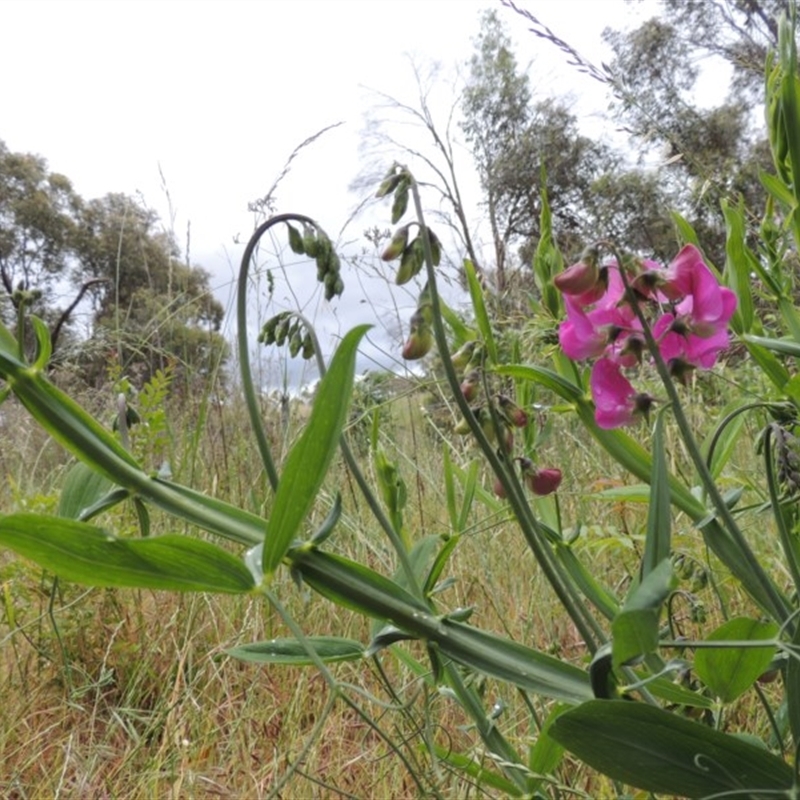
{"x":215,"y":94}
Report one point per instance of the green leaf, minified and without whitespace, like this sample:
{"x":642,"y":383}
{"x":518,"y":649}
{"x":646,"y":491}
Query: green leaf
{"x":730,"y":671}
{"x":778,"y":190}
{"x":649,"y":748}
{"x":788,"y":347}
{"x":86,"y":492}
{"x":686,"y":233}
{"x":89,"y":555}
{"x":310,"y":458}
{"x":738,"y":266}
{"x":590,"y":587}
{"x":634,"y":630}
{"x":545,"y":753}
{"x":547,"y":260}
{"x":792,"y":678}
{"x":724,"y":437}
{"x":481,"y":314}
{"x":292,"y":651}
{"x":461,"y":332}
{"x":657,"y":542}
{"x":355,"y":586}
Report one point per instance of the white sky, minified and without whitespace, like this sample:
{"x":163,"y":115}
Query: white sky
{"x":217,"y":93}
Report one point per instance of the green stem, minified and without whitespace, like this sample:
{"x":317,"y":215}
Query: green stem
{"x":534,"y":536}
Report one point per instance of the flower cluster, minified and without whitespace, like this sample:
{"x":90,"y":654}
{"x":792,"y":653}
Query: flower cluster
{"x":690,"y":327}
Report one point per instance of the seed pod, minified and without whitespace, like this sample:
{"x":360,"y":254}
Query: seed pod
{"x":463,"y":355}
{"x":511,"y":412}
{"x":295,"y":240}
{"x":470,"y":385}
{"x":420,"y":337}
{"x":282,"y":330}
{"x":267,"y":335}
{"x":330,"y":281}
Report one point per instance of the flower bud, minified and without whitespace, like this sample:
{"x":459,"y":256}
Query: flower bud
{"x":540,"y":481}
{"x":397,"y":245}
{"x":411,"y":262}
{"x":499,"y":489}
{"x":463,"y":355}
{"x":470,"y":385}
{"x":420,"y":337}
{"x":577,"y":279}
{"x":512,"y":412}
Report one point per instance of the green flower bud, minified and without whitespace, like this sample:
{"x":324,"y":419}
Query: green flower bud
{"x":311,"y":246}
{"x":411,"y":262}
{"x":463,"y":355}
{"x":397,"y":245}
{"x":308,"y":346}
{"x":295,"y":240}
{"x":400,"y":203}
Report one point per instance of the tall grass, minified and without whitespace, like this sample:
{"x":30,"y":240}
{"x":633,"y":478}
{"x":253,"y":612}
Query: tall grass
{"x":129,"y":694}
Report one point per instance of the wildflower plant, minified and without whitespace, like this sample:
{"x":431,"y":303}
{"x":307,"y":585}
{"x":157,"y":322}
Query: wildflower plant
{"x":631,"y":711}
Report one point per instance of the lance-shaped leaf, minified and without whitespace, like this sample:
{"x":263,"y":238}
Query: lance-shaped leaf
{"x":292,"y":651}
{"x":481,"y":313}
{"x":91,"y":556}
{"x":649,"y":748}
{"x":635,"y":629}
{"x":659,"y":520}
{"x":355,"y":586}
{"x":310,"y":458}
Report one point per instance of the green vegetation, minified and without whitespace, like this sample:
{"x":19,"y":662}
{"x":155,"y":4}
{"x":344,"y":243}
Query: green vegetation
{"x":561,"y":562}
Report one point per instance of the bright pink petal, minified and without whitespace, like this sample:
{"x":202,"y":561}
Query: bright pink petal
{"x":614,"y":397}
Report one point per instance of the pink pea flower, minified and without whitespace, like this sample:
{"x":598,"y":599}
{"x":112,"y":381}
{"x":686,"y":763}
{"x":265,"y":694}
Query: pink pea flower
{"x":698,"y":330}
{"x":603,"y":329}
{"x":616,"y":402}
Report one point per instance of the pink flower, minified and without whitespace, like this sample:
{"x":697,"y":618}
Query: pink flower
{"x":698,"y":330}
{"x":616,"y":402}
{"x":588,"y":334}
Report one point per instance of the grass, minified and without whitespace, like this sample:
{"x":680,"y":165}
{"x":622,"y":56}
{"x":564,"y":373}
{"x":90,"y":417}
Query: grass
{"x":114,"y":694}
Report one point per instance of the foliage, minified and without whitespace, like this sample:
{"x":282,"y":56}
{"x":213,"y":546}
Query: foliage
{"x":644,"y":705}
{"x":147,"y":304}
{"x":511,"y":138}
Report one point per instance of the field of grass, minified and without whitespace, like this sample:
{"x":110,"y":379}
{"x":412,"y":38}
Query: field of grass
{"x":129,"y":694}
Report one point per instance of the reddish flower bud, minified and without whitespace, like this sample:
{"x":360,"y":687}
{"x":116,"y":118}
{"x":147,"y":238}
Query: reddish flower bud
{"x":578,"y":278}
{"x":546,"y":481}
{"x":470,"y":385}
{"x":512,"y":412}
{"x":540,"y":481}
{"x":420,"y":337}
{"x":397,"y":245}
{"x":499,"y":489}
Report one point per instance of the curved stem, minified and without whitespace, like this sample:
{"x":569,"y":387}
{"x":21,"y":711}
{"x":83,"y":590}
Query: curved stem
{"x":251,"y":400}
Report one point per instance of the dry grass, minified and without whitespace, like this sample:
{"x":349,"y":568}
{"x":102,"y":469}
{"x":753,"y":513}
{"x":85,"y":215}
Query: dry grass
{"x":130,"y":694}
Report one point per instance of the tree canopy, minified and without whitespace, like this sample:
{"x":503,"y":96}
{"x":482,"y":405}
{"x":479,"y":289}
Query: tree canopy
{"x":109,"y":258}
